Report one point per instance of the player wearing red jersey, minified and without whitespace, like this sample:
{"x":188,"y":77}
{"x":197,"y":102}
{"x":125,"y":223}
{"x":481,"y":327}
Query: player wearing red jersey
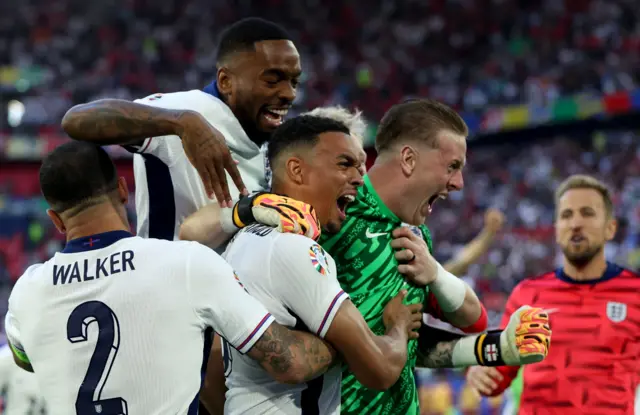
{"x":593,"y":367}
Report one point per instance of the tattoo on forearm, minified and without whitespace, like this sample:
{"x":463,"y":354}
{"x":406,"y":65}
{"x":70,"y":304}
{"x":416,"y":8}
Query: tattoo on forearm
{"x":279,"y":348}
{"x":271,"y":350}
{"x":115,"y":121}
{"x":440,"y":355}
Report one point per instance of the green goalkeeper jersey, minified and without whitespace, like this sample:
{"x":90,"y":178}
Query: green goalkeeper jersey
{"x":368,"y":272}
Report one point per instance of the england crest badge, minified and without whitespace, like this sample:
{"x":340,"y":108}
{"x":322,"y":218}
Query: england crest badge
{"x":616,"y":312}
{"x":415,"y":229}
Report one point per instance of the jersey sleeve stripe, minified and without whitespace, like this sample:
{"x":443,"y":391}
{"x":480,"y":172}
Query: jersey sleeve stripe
{"x":264,"y":324}
{"x":131,"y":148}
{"x":139,"y":147}
{"x":146,"y":145}
{"x":333,"y":308}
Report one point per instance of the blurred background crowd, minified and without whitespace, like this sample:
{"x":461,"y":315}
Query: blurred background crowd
{"x":364,"y":53}
{"x":482,"y":57}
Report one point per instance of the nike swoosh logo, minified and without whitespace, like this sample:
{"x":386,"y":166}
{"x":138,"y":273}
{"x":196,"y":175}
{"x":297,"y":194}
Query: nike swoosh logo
{"x":370,"y":235}
{"x":550,"y":310}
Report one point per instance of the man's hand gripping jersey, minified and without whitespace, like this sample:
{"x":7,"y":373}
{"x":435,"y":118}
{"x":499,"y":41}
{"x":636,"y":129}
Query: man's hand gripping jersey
{"x":280,"y":212}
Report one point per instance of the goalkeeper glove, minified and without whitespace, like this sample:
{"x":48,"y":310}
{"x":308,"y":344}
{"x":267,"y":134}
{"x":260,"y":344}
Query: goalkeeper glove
{"x":283,"y":213}
{"x":525,"y":340}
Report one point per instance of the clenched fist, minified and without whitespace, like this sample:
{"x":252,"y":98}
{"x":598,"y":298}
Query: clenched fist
{"x":527,"y":337}
{"x":493,"y":220}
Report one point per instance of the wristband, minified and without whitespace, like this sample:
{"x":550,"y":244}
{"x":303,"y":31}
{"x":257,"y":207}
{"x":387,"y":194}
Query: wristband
{"x":448,"y":289}
{"x":242,"y":214}
{"x":488,"y":350}
{"x":480,"y":325}
{"x":483,"y":349}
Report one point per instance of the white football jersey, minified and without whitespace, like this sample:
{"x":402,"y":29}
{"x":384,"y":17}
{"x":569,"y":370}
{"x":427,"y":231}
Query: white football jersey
{"x":151,"y":301}
{"x":18,"y":388}
{"x":168,"y":187}
{"x":296,"y":280}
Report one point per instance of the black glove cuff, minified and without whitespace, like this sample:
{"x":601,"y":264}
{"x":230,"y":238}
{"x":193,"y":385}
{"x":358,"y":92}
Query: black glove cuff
{"x":242,"y":213}
{"x":487,"y":349}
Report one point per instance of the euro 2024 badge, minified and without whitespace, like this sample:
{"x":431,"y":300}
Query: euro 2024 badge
{"x":319,"y":259}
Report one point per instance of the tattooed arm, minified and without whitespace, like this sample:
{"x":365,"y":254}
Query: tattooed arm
{"x":220,"y":301}
{"x":114,"y":121}
{"x":288,"y":356}
{"x":436,"y":347}
{"x":292,"y":356}
{"x":440,"y":355}
{"x":525,"y":340}
{"x":307,"y":284}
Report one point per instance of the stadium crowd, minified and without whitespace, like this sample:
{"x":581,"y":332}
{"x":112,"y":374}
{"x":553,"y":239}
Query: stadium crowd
{"x":467,"y":53}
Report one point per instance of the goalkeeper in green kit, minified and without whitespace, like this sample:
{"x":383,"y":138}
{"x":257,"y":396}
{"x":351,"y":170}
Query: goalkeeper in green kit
{"x":421,"y":152}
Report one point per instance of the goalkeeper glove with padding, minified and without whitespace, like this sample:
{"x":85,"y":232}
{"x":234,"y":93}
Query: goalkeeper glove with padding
{"x":525,"y":340}
{"x":283,"y":213}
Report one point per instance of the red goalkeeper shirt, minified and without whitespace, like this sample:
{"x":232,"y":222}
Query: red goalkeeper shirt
{"x":593,"y":366}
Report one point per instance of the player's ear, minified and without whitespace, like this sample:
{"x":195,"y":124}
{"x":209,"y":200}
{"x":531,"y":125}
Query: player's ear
{"x":223,"y":80}
{"x":294,"y":170}
{"x":57,"y":221}
{"x":610,"y":229}
{"x":123,"y":190}
{"x":408,"y":160}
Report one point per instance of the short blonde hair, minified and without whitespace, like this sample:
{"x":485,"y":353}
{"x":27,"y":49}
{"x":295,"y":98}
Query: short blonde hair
{"x":353,"y":120}
{"x":582,"y":181}
{"x":417,"y":119}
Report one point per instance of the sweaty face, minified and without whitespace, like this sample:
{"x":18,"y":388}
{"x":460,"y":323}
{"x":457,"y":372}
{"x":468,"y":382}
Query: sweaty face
{"x":333,"y":177}
{"x":260,"y":85}
{"x":582,"y":225}
{"x":437,"y":172}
